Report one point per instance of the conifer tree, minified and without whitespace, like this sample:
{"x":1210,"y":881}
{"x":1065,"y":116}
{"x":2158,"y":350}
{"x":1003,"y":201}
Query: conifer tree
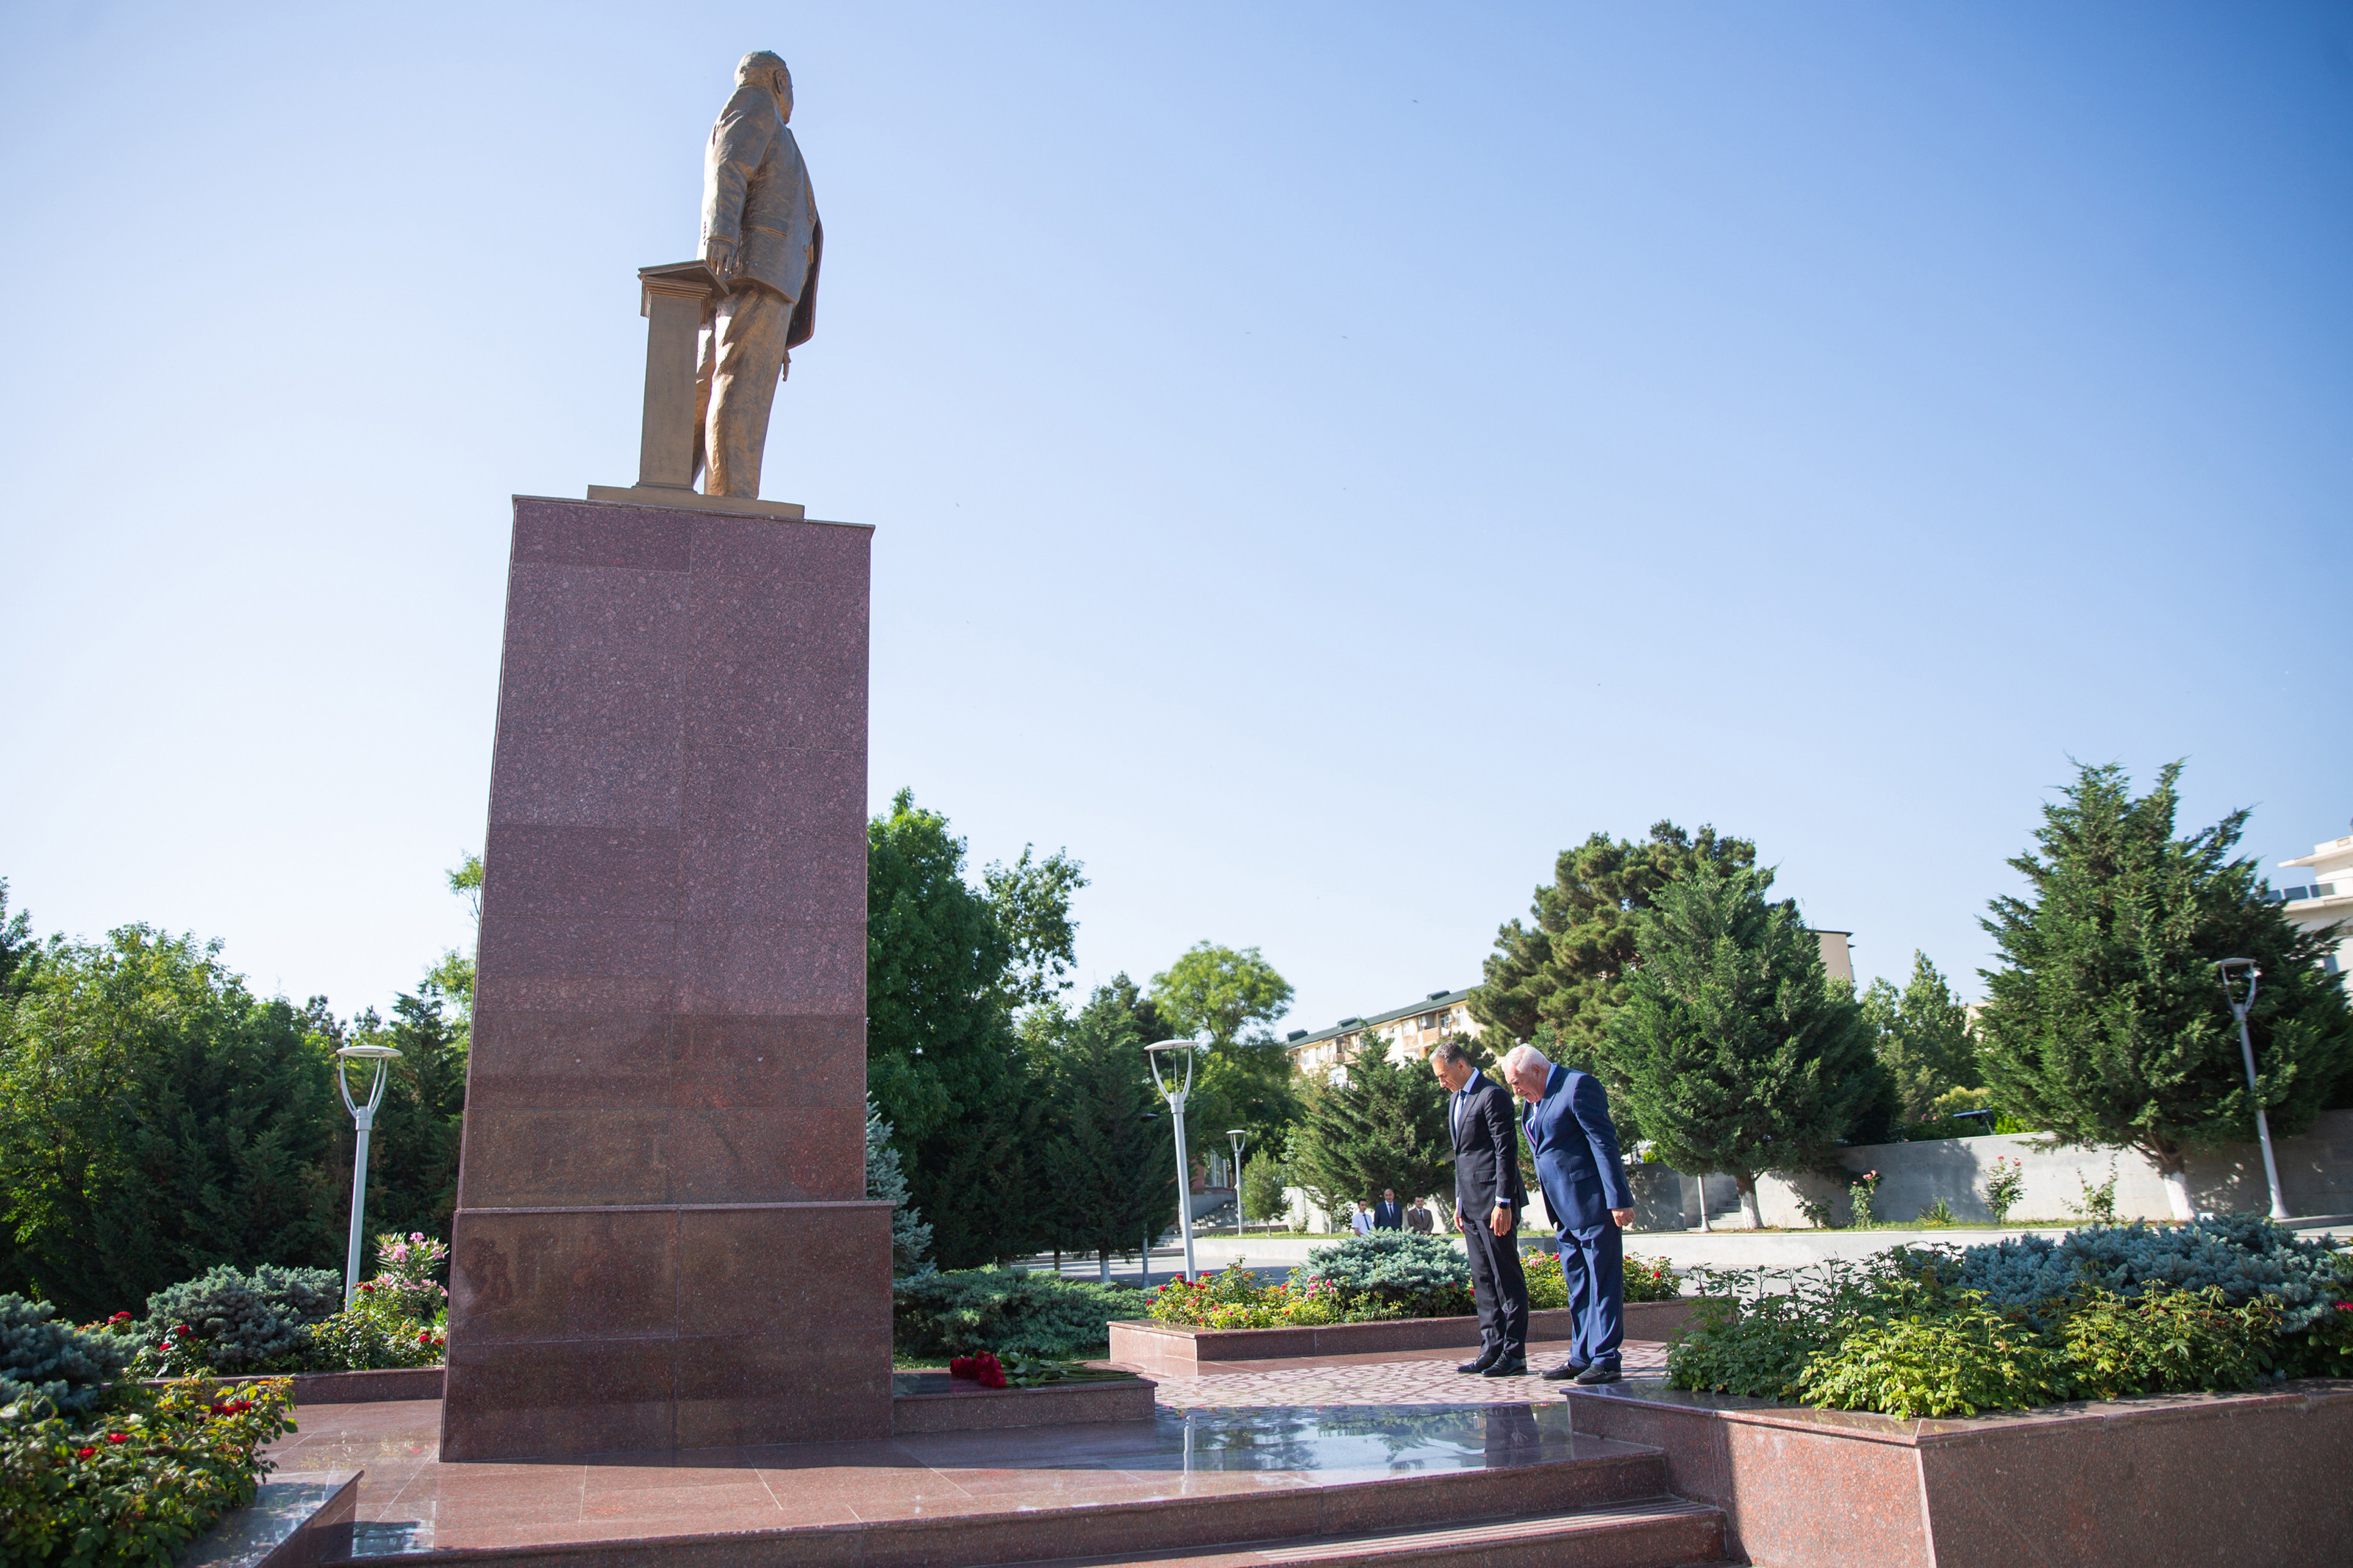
{"x":1570,"y":967}
{"x":1382,"y":1124}
{"x":1925,"y":1040}
{"x":1111,"y":1162}
{"x":1736,"y":1052}
{"x":2107,"y":1021}
{"x":887,"y":1182}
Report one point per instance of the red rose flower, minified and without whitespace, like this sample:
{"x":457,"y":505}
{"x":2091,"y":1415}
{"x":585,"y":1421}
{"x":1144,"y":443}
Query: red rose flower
{"x":118,"y":1437}
{"x":120,"y":1318}
{"x":84,"y":1453}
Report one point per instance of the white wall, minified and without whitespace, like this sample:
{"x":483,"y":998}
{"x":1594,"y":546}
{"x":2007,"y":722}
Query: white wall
{"x":2316,"y":1177}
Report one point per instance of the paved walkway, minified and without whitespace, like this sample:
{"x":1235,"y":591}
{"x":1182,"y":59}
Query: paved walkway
{"x":1388,"y":1378}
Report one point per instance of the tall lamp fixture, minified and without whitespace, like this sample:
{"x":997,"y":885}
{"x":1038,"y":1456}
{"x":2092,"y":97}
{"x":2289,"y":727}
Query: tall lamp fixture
{"x":2230,"y":968}
{"x":362,"y":1118}
{"x":1175,"y":1099}
{"x":1238,"y":1136}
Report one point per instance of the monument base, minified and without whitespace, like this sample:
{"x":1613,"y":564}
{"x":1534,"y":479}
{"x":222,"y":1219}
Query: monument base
{"x":662,"y":1239}
{"x":695,"y":500}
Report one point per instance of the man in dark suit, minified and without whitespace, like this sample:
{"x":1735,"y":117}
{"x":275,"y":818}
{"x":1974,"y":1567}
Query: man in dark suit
{"x":1488,"y":1197}
{"x":1389,"y":1214}
{"x":1567,"y":1123}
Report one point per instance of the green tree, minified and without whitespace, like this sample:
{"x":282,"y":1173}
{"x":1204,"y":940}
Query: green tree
{"x":1567,"y":969}
{"x":156,"y":1118}
{"x":1381,"y":1123}
{"x":1031,"y":900}
{"x":453,"y":975}
{"x":944,"y":1061}
{"x":1225,"y":996}
{"x":1925,"y":1040}
{"x":20,"y":950}
{"x":1737,"y":1052}
{"x":2106,"y":1024}
{"x":886,"y":1182}
{"x":1111,"y":1162}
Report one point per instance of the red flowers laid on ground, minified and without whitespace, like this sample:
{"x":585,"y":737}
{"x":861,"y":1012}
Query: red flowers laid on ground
{"x":984,"y":1369}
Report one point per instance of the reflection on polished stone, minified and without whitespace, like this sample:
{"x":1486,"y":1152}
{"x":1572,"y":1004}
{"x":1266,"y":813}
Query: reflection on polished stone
{"x":1359,"y":1439}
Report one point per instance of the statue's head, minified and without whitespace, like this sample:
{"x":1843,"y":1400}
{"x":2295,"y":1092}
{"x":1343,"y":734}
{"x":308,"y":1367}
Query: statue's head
{"x":762,"y":68}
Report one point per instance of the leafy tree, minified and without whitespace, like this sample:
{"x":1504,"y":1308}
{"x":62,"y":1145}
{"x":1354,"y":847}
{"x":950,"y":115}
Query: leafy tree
{"x":155,"y":1120}
{"x":1111,"y":1164}
{"x":1265,"y":1172}
{"x":1381,"y":1124}
{"x":944,"y":1062}
{"x":1737,"y":1052}
{"x":1031,"y":899}
{"x":1244,"y":1080}
{"x":1214,"y":993}
{"x":1925,"y":1039}
{"x":1570,"y":967}
{"x":453,"y":976}
{"x":2106,"y":1024}
{"x":20,"y":950}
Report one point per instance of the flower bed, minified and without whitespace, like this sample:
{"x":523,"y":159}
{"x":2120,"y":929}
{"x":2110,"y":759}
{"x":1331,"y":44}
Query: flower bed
{"x":2105,"y":1312}
{"x":134,"y":1476}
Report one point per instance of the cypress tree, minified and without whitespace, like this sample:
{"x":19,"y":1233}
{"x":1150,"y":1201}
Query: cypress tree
{"x":2106,"y":1023}
{"x":1735,"y":1051}
{"x":1925,"y":1039}
{"x":1381,"y":1125}
{"x":1111,"y":1161}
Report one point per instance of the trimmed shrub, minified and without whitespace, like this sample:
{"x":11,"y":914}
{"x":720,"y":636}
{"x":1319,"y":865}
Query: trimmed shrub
{"x":1009,"y":1312}
{"x":1954,"y":1362}
{"x":1395,"y":1273}
{"x":54,"y":1362}
{"x":235,"y":1322}
{"x":2168,"y":1341}
{"x":136,"y":1483}
{"x":2244,"y":1255}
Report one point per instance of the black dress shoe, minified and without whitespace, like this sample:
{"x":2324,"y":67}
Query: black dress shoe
{"x":1600,"y":1372}
{"x":1486,"y":1359}
{"x":1506,"y":1366}
{"x":1565,"y":1370}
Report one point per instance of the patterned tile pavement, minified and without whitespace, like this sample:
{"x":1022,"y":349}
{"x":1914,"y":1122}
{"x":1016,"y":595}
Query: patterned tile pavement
{"x":1429,"y":1378}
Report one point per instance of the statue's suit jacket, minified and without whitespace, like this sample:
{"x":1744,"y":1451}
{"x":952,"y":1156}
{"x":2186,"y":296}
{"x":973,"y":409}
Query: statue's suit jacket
{"x":756,"y":194}
{"x":1575,"y":1147}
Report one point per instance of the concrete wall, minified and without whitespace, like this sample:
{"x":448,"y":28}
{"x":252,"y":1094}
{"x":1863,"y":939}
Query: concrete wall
{"x":2315,"y":1178}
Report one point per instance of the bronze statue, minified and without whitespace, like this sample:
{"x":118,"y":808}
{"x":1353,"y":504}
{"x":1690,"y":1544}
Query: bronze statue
{"x":761,"y":241}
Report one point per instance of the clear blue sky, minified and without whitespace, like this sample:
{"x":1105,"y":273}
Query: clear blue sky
{"x":1324,"y":458}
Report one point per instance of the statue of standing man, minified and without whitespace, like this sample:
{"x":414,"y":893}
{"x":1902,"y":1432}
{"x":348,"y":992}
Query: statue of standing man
{"x":761,"y":241}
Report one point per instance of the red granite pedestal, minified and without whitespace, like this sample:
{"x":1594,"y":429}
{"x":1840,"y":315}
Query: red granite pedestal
{"x":662,"y":1239}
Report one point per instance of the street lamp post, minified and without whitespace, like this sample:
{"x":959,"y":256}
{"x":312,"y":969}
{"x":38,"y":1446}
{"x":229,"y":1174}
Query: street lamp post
{"x":363,"y":1120}
{"x":1175,"y":1099}
{"x":1238,"y":1136}
{"x":2239,"y":1006}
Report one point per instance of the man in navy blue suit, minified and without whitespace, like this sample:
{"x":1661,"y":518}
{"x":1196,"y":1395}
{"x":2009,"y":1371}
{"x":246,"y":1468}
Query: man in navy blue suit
{"x":1567,"y":1121}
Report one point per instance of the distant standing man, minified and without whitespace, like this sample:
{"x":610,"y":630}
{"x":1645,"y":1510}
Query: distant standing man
{"x":1488,"y":1197}
{"x":1361,"y":1221}
{"x":1417,"y":1219}
{"x":1389,"y":1214}
{"x":761,"y":241}
{"x":1584,"y":1182}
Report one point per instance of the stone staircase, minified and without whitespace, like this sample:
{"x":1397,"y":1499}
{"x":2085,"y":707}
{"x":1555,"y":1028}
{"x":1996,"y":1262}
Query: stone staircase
{"x":1656,"y":1533}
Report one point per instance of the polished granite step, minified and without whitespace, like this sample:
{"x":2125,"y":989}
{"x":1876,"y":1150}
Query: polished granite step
{"x":1656,"y":1533}
{"x":1385,"y":1483}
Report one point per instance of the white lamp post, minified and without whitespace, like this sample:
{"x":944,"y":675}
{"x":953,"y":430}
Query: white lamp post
{"x":1175,"y":1099}
{"x":2239,"y":1006}
{"x":362,"y":1118}
{"x":1238,"y":1136}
